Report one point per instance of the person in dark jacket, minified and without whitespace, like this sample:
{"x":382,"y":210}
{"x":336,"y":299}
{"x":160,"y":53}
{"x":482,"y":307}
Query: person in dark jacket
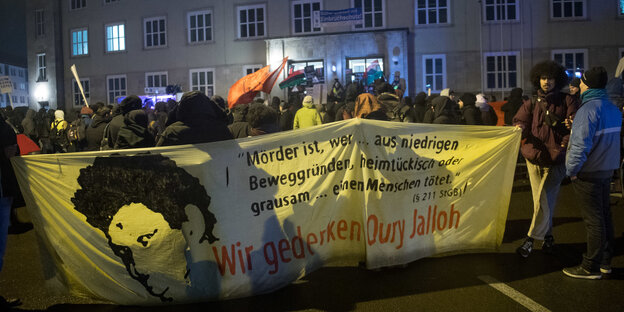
{"x":134,"y":133}
{"x":130,"y":103}
{"x":512,"y":106}
{"x":488,"y":114}
{"x":262,"y":119}
{"x":470,"y":114}
{"x":351,"y":94}
{"x":240,"y":127}
{"x":442,"y":110}
{"x":420,"y":106}
{"x":199,"y":120}
{"x":287,"y":116}
{"x":95,"y":132}
{"x":545,"y":138}
{"x":29,"y":125}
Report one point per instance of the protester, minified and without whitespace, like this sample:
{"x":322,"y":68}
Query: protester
{"x":443,"y":113}
{"x":420,"y":107}
{"x":367,"y":107}
{"x":351,"y":94}
{"x":134,"y":133}
{"x":58,"y":133}
{"x":130,"y":103}
{"x":574,"y":87}
{"x":29,"y":125}
{"x":429,"y":115}
{"x":514,"y":102}
{"x":240,"y":128}
{"x":95,"y":132}
{"x":287,"y":116}
{"x":199,"y":120}
{"x":307,"y":116}
{"x":262,"y":119}
{"x":470,"y":114}
{"x":545,"y":138}
{"x":399,"y":83}
{"x":593,"y":155}
{"x":488,"y":114}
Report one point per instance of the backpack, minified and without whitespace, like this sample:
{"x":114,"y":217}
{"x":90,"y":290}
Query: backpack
{"x":104,"y":144}
{"x":57,"y":133}
{"x":77,"y":131}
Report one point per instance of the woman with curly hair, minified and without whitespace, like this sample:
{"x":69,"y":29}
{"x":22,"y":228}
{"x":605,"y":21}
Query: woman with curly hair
{"x":544,"y":142}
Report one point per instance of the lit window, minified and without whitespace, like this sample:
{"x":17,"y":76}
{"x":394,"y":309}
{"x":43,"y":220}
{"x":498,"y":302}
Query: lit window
{"x":568,"y":8}
{"x":314,"y":70}
{"x":364,"y":70}
{"x":572,"y":60}
{"x":80,"y":42}
{"x":303,"y":16}
{"x":39,"y":23}
{"x":501,"y":10}
{"x":372,"y":13}
{"x":432,"y":12}
{"x":156,"y":80}
{"x":501,"y":70}
{"x":41,"y":67}
{"x":78,"y":100}
{"x":202,"y":80}
{"x":116,"y":87}
{"x":621,"y":7}
{"x":250,"y":69}
{"x":77,"y":4}
{"x":115,"y":38}
{"x":251,"y":21}
{"x":434,"y":72}
{"x":155,"y":32}
{"x":200,"y":26}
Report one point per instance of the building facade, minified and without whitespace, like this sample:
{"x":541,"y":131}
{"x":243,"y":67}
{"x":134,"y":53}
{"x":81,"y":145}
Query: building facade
{"x":18,"y":75}
{"x":123,"y":47}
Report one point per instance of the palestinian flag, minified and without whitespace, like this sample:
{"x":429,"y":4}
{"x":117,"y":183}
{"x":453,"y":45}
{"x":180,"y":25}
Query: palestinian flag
{"x":373,"y":72}
{"x":294,"y":79}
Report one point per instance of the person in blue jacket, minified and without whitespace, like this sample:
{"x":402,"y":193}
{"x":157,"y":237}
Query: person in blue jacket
{"x":593,"y":154}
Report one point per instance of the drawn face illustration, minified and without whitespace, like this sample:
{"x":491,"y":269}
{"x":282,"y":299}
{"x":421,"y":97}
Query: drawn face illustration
{"x":157,"y":249}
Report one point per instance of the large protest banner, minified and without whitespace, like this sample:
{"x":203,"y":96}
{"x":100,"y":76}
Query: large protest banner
{"x":243,"y":217}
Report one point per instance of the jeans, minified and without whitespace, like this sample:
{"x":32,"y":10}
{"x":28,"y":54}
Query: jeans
{"x":593,"y":198}
{"x":545,"y":185}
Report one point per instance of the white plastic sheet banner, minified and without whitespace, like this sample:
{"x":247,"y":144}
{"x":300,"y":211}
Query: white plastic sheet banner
{"x":243,"y":217}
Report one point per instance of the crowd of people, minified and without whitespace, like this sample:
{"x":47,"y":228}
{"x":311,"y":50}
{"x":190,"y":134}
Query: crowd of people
{"x":546,"y":118}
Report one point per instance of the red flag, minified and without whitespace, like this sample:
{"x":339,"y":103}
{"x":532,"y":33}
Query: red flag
{"x":246,"y":89}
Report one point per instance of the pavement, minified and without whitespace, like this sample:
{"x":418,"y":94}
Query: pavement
{"x":494,"y":281}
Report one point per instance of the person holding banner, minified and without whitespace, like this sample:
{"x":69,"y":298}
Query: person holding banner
{"x":593,"y":155}
{"x":544,"y":141}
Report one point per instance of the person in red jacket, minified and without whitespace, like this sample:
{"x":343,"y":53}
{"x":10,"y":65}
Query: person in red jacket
{"x":544,"y":141}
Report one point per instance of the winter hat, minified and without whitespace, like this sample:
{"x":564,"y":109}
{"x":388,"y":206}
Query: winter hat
{"x":307,"y":100}
{"x":59,"y":115}
{"x":130,"y":103}
{"x":86,"y":110}
{"x":595,"y":78}
{"x":576,"y":82}
{"x":468,"y":99}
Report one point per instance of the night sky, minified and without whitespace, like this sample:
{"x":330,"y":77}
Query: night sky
{"x":13,"y":32}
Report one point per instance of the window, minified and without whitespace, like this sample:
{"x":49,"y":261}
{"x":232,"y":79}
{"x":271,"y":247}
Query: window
{"x":155,"y":32}
{"x":1,"y":69}
{"x":39,"y":22}
{"x":110,"y":1}
{"x":572,"y":60}
{"x":22,"y":86}
{"x":501,"y":10}
{"x":250,"y":69}
{"x":78,"y":100}
{"x":501,"y":70}
{"x":372,"y":13}
{"x":14,"y":98}
{"x":80,"y":42}
{"x":199,"y":26}
{"x":22,"y":99}
{"x":14,"y":71}
{"x":357,"y":67}
{"x":41,"y":67}
{"x":314,"y":70}
{"x":77,"y":4}
{"x":115,"y":38}
{"x":116,"y":87}
{"x":251,"y":21}
{"x":567,"y":8}
{"x":20,"y":73}
{"x":434,"y":72}
{"x":432,"y":12}
{"x":202,"y":80}
{"x":303,"y":16}
{"x":156,"y":80}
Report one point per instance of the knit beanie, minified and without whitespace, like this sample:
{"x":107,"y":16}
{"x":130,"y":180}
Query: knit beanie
{"x":595,"y":78}
{"x":86,"y":110}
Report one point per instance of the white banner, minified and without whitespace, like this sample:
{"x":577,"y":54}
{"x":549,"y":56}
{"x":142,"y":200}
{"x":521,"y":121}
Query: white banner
{"x":243,"y":217}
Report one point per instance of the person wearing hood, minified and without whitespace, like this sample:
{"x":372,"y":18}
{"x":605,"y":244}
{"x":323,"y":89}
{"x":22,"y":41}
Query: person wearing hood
{"x":420,"y":107}
{"x":545,"y":139}
{"x":488,"y":114}
{"x":396,"y":110}
{"x":367,"y":107}
{"x":95,"y":132}
{"x":134,"y":133}
{"x":130,"y":103}
{"x":512,"y":106}
{"x":29,"y":126}
{"x":575,"y":87}
{"x":240,"y":128}
{"x":58,"y":133}
{"x":351,"y":94}
{"x":199,"y":120}
{"x":262,"y":119}
{"x":442,"y":109}
{"x":470,"y":114}
{"x":307,"y":116}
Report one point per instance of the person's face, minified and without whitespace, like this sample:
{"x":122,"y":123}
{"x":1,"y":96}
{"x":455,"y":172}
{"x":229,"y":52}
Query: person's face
{"x":157,"y":249}
{"x":547,"y":84}
{"x":574,"y":90}
{"x":461,"y":104}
